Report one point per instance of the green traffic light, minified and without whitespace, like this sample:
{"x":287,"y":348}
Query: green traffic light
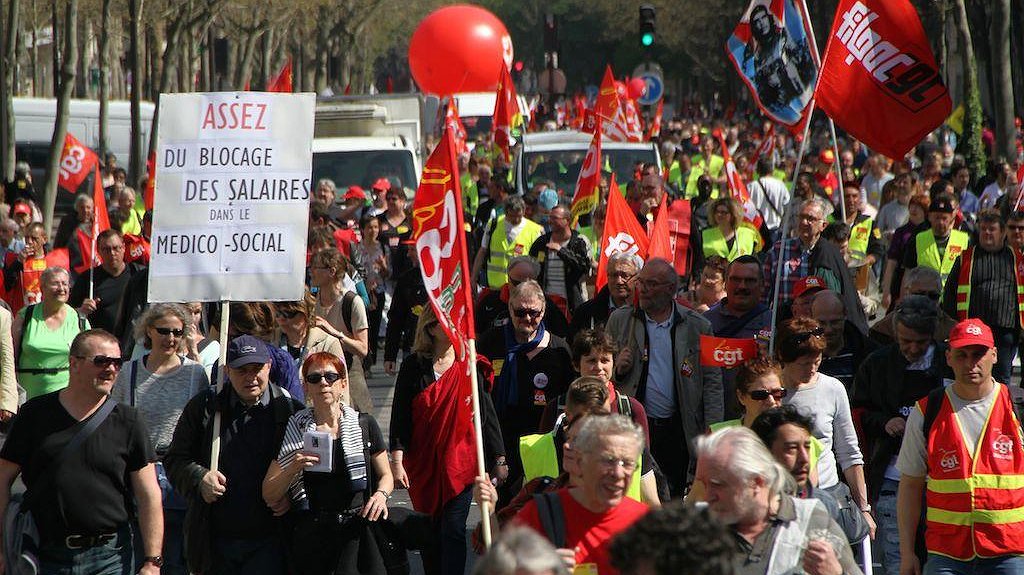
{"x":647,"y":39}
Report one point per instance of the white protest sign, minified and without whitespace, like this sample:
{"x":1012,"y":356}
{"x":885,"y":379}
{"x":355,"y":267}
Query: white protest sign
{"x":231,"y":204}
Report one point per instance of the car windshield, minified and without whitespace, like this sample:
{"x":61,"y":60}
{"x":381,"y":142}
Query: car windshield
{"x":362,"y":168}
{"x":563,"y":166}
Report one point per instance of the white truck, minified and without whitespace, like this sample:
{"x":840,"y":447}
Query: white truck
{"x":359,"y":139}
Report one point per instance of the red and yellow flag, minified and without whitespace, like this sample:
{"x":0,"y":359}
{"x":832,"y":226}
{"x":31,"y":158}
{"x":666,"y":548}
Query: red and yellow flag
{"x":587,"y":184}
{"x":507,"y":115}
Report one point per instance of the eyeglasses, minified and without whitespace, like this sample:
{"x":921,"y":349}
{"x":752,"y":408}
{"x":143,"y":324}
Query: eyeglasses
{"x":316,"y":378}
{"x":103,"y":361}
{"x":609,"y":462}
{"x":803,"y":336}
{"x":169,"y":331}
{"x":932,"y":295}
{"x":523,"y":312}
{"x":762,"y":394}
{"x":1015,"y":227}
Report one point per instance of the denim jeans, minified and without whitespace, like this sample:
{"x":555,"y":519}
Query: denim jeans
{"x":114,"y":558}
{"x":888,"y":533}
{"x":942,"y":565}
{"x":1006,"y":341}
{"x":448,"y":557}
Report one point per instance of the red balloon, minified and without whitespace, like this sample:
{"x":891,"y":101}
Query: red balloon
{"x":637,"y":87}
{"x":459,"y":49}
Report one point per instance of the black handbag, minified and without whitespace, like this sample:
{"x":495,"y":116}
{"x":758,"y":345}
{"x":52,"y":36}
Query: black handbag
{"x":21,"y":536}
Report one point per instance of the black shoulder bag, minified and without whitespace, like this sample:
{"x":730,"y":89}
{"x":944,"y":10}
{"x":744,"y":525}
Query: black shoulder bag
{"x":21,"y":536}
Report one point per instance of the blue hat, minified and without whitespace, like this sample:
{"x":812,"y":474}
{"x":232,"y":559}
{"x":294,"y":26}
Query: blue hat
{"x":548,"y":199}
{"x":246,"y":349}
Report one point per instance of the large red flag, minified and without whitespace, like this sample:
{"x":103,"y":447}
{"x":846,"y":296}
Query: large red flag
{"x":879,"y":80}
{"x":507,"y":115}
{"x":453,"y":123}
{"x":622,"y":233}
{"x":441,"y":459}
{"x":76,"y":161}
{"x":100,"y":220}
{"x":771,"y":50}
{"x":661,"y":239}
{"x":283,"y":81}
{"x":588,"y":183}
{"x":608,"y":107}
{"x":441,"y":244}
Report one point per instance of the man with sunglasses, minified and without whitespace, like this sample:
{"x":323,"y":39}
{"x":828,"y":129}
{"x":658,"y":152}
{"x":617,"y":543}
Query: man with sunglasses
{"x":228,"y":528}
{"x":80,"y":499}
{"x":987,"y":283}
{"x":531,"y":367}
{"x":492,"y":307}
{"x":886,"y":386}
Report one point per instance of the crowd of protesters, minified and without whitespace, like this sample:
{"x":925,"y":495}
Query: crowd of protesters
{"x":885,"y":297}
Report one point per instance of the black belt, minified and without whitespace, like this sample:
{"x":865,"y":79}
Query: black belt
{"x":42,"y":370}
{"x":88,"y":541}
{"x":337,"y":517}
{"x":659,"y":421}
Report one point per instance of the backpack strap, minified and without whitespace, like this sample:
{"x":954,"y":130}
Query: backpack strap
{"x":134,"y":381}
{"x":931,"y":410}
{"x":24,"y":328}
{"x":347,"y":302}
{"x":552,"y":517}
{"x":624,"y":407}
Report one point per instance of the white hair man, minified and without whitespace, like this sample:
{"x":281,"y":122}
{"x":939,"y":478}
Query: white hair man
{"x":747,"y":490}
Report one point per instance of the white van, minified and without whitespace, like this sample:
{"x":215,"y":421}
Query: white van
{"x":35,"y":118}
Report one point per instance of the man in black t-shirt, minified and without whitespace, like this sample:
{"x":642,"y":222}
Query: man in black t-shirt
{"x":79,"y":499}
{"x":531,"y":368}
{"x":110,"y":279}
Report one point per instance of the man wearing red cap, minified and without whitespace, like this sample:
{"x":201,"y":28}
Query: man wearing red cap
{"x":962,"y":450}
{"x":803,"y":294}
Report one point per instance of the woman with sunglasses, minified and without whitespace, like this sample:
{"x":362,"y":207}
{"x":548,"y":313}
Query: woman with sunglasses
{"x":333,"y":536}
{"x":416,"y":416}
{"x":799,"y":348}
{"x":300,"y":336}
{"x":43,"y":333}
{"x":159,"y":385}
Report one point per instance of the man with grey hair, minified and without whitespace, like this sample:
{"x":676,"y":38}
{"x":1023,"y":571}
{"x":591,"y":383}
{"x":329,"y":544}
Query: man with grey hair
{"x":10,"y":243}
{"x":659,"y":364}
{"x":581,"y":520}
{"x":520,"y":551}
{"x":803,"y":255}
{"x":492,"y":307}
{"x":747,"y":489}
{"x":618,"y":292}
{"x":923,"y":281}
{"x":510,"y":235}
{"x":887,"y":385}
{"x":532,"y":366}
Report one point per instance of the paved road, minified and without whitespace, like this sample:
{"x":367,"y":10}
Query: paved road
{"x":382,"y":390}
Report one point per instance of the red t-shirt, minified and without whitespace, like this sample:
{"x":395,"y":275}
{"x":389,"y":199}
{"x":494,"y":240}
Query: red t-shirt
{"x":591,"y":532}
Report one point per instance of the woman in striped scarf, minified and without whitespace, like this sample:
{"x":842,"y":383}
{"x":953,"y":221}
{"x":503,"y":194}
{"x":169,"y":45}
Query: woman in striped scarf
{"x":331,"y":533}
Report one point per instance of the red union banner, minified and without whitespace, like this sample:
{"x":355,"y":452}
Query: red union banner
{"x":726,"y":351}
{"x":441,"y":244}
{"x":622,"y":233}
{"x":76,"y":161}
{"x":879,"y":80}
{"x":587,"y":183}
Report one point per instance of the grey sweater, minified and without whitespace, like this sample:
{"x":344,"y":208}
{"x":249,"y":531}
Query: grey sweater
{"x":827,"y":403}
{"x":160,"y":398}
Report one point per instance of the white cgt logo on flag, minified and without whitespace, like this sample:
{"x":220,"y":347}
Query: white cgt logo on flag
{"x":622,"y":243}
{"x":71,"y":163}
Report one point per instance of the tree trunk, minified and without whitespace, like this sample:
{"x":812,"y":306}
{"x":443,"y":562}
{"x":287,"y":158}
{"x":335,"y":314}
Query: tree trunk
{"x":103,"y":57}
{"x":173,"y":36}
{"x":55,"y":47}
{"x":970,"y":144}
{"x":60,"y":128}
{"x":10,"y":56}
{"x":82,"y":74}
{"x":1002,"y":80}
{"x":135,"y":65}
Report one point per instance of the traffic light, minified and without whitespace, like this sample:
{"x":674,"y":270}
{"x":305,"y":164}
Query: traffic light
{"x":647,"y":21}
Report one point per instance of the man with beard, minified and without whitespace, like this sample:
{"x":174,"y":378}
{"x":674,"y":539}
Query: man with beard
{"x":775,"y":532}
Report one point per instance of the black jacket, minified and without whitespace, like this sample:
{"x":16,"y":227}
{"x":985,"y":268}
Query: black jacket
{"x":188,"y":460}
{"x":591,"y":314}
{"x":575,"y":258}
{"x":408,"y":300}
{"x":880,"y":389}
{"x":492,"y":311}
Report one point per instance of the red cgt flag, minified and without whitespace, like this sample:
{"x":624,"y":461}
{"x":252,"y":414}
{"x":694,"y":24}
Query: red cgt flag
{"x":661,"y":238}
{"x":879,"y":80}
{"x":441,"y":244}
{"x":76,"y":161}
{"x":622,"y":233}
{"x":100,"y":219}
{"x":726,"y":351}
{"x":507,"y":115}
{"x":453,"y":123}
{"x":609,"y":108}
{"x":283,"y":81}
{"x":587,"y":184}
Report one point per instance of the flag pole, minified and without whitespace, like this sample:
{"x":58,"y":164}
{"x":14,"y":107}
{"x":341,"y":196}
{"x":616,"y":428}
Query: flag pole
{"x":225,"y":312}
{"x":785,"y":230}
{"x":805,"y":14}
{"x":481,"y":468}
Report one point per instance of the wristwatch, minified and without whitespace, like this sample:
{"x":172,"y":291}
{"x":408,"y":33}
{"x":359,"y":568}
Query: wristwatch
{"x":156,"y":560}
{"x":386,"y":495}
{"x":866,"y":508}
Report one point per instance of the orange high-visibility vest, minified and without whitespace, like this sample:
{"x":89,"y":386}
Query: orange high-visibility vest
{"x":963,"y":286}
{"x":975,"y":502}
